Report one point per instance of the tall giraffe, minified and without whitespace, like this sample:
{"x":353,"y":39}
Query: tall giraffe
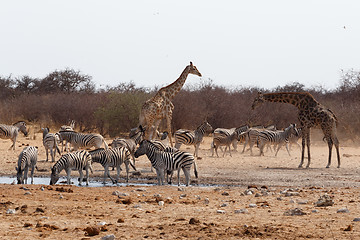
{"x":311,"y":113}
{"x":160,"y":106}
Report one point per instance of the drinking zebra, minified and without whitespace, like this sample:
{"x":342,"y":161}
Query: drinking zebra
{"x":27,"y":160}
{"x":188,"y":137}
{"x":82,"y":140}
{"x":278,"y":138}
{"x":50,"y":142}
{"x":12,"y":131}
{"x":166,"y":161}
{"x":72,"y":161}
{"x":112,"y":158}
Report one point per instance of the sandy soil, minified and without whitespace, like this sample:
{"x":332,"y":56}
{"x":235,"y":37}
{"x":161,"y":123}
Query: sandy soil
{"x":218,"y":205}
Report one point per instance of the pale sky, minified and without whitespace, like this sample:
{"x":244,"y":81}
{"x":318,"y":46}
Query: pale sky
{"x":234,"y":43}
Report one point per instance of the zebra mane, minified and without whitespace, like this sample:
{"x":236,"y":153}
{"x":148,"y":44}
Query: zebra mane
{"x":19,"y":122}
{"x":96,"y":150}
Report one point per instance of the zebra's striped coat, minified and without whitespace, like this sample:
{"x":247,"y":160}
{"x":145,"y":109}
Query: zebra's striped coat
{"x":27,"y":160}
{"x":82,"y":140}
{"x":188,"y":137}
{"x":72,"y":161}
{"x":50,"y":142}
{"x":12,"y":131}
{"x":166,"y":161}
{"x":112,"y":158}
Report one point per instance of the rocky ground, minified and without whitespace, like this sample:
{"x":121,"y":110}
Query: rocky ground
{"x":238,"y":197}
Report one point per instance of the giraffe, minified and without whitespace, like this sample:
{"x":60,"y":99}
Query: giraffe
{"x":311,"y":113}
{"x":160,"y":106}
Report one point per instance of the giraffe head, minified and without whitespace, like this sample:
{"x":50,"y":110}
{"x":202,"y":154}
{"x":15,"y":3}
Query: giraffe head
{"x":258,"y":101}
{"x":194,"y":70}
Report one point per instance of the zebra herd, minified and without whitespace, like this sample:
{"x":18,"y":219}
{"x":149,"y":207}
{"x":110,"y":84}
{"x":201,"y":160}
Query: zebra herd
{"x":163,"y":158}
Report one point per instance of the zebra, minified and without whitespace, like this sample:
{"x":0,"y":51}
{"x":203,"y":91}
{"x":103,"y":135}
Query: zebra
{"x":225,"y":141}
{"x":50,"y":141}
{"x":251,"y":135}
{"x":188,"y":137}
{"x":224,"y":132}
{"x":12,"y":131}
{"x":82,"y":140}
{"x":66,"y":128}
{"x":293,"y":139}
{"x":166,"y":161}
{"x":276,"y":137}
{"x":72,"y":161}
{"x":130,"y":143}
{"x":113,"y":157}
{"x":27,"y":159}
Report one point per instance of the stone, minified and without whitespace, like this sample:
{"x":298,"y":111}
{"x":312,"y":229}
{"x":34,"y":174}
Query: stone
{"x":10,"y":211}
{"x":161,"y":203}
{"x":120,"y":220}
{"x":194,"y":221}
{"x":324,"y":201}
{"x":220,"y":211}
{"x":252,"y":205}
{"x":291,"y":194}
{"x":343,"y":210}
{"x":225,"y":194}
{"x":248,"y":192}
{"x":243,"y":211}
{"x":294,"y":212}
{"x":206,"y":201}
{"x":92,"y":231}
{"x":356,"y":219}
{"x":223,"y":205}
{"x":108,"y":237}
{"x":27,"y":193}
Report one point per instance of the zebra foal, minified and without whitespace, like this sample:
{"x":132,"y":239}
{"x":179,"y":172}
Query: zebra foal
{"x":188,"y":137}
{"x":166,"y":161}
{"x":12,"y":131}
{"x":50,"y":142}
{"x":72,"y":161}
{"x":112,"y":158}
{"x":27,"y":160}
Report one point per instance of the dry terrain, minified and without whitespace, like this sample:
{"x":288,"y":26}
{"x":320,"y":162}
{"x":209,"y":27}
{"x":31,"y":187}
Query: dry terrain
{"x":238,"y":197}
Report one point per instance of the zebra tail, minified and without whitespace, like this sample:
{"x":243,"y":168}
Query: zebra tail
{"x":195,"y":171}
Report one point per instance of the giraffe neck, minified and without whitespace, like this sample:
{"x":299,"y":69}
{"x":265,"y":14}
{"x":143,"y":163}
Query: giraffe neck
{"x":171,"y":90}
{"x":299,"y":100}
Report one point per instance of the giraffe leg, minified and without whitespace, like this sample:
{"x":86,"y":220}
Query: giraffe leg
{"x":330,"y":144}
{"x":336,"y":143}
{"x":308,"y":148}
{"x":302,"y":151}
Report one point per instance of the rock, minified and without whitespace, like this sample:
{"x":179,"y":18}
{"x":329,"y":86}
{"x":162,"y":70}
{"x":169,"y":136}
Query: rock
{"x":324,"y":201}
{"x":220,"y":211}
{"x":27,"y":193}
{"x":108,"y":237}
{"x":10,"y":211}
{"x":180,"y":189}
{"x":225,"y":194}
{"x":243,"y":211}
{"x":42,"y":188}
{"x":223,"y":205}
{"x":291,"y":194}
{"x":101,"y":223}
{"x":120,"y":220}
{"x":182,"y":196}
{"x":92,"y":231}
{"x":141,"y":189}
{"x":248,"y":192}
{"x":161,"y":203}
{"x":294,"y":212}
{"x":343,"y":210}
{"x":315,"y":211}
{"x":349,"y":228}
{"x":257,"y":195}
{"x":252,"y":205}
{"x":61,"y":196}
{"x":356,"y":220}
{"x":206,"y":201}
{"x":302,"y":202}
{"x":40,"y":210}
{"x":194,"y":221}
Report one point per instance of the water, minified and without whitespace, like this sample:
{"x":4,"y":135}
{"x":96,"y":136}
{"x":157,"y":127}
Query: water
{"x":92,"y":183}
{"x":74,"y":181}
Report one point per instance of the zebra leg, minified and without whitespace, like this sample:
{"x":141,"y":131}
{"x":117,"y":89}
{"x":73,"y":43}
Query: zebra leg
{"x":32,"y":174}
{"x":287,"y":148}
{"x":81,"y":176}
{"x":133,"y":165}
{"x":178,"y":176}
{"x":127,"y":171}
{"x":68,"y":172}
{"x":197,"y":149}
{"x":278,"y":148}
{"x":160,"y":175}
{"x":47,"y":154}
{"x":26,"y":170}
{"x":87,"y":174}
{"x":187,"y":175}
{"x":52,"y":155}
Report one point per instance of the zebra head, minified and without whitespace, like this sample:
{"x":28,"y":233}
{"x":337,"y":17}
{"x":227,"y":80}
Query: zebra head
{"x":142,"y":149}
{"x":258,"y":101}
{"x":19,"y":175}
{"x":194,"y":70}
{"x":207,"y":127}
{"x":54,"y":176}
{"x":21,"y":127}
